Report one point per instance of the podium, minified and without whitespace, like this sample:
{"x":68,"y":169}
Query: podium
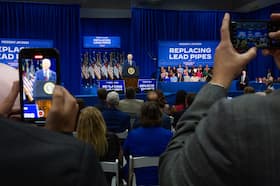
{"x":130,"y":76}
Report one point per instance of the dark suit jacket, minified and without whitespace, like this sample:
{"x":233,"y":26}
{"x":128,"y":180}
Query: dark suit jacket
{"x":35,"y":156}
{"x":116,"y":121}
{"x":225,"y":142}
{"x":40,"y":75}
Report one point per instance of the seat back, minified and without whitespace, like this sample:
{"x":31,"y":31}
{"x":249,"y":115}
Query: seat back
{"x":139,"y":162}
{"x":112,"y":167}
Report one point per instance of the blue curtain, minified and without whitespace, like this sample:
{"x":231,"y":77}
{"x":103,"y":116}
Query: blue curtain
{"x":148,"y":26}
{"x":60,"y":23}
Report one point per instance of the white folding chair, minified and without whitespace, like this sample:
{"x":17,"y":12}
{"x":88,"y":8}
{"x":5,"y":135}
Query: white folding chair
{"x":122,"y":135}
{"x":111,"y":167}
{"x":139,"y":162}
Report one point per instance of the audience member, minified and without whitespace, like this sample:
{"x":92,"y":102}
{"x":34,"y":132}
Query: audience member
{"x":91,"y":129}
{"x":243,"y":80}
{"x":226,"y":142}
{"x":116,"y":120}
{"x":249,"y":90}
{"x":130,"y":104}
{"x":158,"y":97}
{"x":102,"y":95}
{"x":180,"y":101}
{"x":43,"y":157}
{"x":148,"y":140}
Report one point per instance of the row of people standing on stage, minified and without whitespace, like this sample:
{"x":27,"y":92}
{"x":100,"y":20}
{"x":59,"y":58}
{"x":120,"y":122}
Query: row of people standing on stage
{"x":186,"y":74}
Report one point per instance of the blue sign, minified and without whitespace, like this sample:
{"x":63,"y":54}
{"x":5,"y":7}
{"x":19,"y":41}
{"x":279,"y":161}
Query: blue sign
{"x":9,"y":48}
{"x":173,"y":53}
{"x":109,"y":85}
{"x":102,"y":42}
{"x":146,"y":84}
{"x":30,"y":111}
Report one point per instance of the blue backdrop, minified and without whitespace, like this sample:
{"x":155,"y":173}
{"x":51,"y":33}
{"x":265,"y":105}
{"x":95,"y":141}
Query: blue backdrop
{"x":60,"y":23}
{"x":139,"y":35}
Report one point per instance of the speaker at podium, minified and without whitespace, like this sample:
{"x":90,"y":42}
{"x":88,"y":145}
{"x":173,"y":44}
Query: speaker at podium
{"x":130,"y":75}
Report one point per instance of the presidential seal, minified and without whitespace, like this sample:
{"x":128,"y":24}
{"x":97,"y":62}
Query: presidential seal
{"x":48,"y":87}
{"x":131,"y":70}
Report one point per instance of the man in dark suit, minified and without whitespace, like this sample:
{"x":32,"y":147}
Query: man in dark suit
{"x":45,"y":74}
{"x":37,"y":156}
{"x":226,"y":142}
{"x":243,"y":80}
{"x":130,"y":61}
{"x":116,"y":120}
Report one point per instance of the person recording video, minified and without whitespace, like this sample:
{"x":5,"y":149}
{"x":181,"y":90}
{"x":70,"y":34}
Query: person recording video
{"x":227,"y":142}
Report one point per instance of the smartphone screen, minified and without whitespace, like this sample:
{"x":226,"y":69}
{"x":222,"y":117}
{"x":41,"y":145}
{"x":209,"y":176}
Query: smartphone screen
{"x":39,"y":73}
{"x":247,"y":34}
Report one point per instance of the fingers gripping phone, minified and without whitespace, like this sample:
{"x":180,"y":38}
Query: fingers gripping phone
{"x":249,"y":33}
{"x":38,"y":73}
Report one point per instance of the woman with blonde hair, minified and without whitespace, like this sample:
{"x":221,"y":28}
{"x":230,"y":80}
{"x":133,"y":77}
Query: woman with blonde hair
{"x":91,"y":129}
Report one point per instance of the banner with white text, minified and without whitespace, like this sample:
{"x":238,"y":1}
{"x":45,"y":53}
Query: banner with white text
{"x":9,"y":48}
{"x":190,"y":53}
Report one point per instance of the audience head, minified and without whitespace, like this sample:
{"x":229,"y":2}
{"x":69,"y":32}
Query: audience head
{"x":249,"y":90}
{"x":150,"y":114}
{"x":91,"y":129}
{"x":152,"y":96}
{"x":102,"y":94}
{"x":181,"y":97}
{"x":190,"y":98}
{"x":113,"y":99}
{"x":130,"y":93}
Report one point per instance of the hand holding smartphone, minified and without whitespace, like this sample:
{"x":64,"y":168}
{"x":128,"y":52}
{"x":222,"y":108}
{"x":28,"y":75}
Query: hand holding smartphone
{"x":39,"y":72}
{"x":249,"y":33}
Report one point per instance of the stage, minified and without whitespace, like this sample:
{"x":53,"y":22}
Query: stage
{"x":89,"y":94}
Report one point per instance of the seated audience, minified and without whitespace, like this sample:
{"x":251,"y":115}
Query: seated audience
{"x":148,"y":140}
{"x":227,"y":142}
{"x":116,"y":120}
{"x":130,"y":104}
{"x":91,"y":129}
{"x":43,"y":157}
{"x":102,"y":94}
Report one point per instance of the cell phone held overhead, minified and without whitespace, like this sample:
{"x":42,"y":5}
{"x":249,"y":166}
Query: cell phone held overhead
{"x":39,"y":72}
{"x":253,"y":33}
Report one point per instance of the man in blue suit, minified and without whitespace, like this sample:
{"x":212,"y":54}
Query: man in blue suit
{"x":46,"y":74}
{"x":42,"y":77}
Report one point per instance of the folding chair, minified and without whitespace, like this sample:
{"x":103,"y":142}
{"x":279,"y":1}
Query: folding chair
{"x":112,"y":167}
{"x":122,"y":135}
{"x":139,"y":162}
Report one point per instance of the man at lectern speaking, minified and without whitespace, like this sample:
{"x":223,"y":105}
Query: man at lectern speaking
{"x":130,"y":61}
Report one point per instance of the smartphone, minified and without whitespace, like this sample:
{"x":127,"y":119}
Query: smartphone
{"x":39,"y":72}
{"x":249,"y":33}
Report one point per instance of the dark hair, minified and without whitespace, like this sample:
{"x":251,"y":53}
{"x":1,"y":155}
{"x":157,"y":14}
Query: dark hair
{"x":180,"y":97}
{"x":190,"y":98}
{"x":130,"y":93}
{"x":150,"y":114}
{"x":161,"y":98}
{"x":248,"y":90}
{"x":102,"y":93}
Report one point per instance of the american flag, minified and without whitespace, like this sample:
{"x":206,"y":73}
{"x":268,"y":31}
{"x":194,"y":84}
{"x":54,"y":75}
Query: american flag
{"x":28,"y":84}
